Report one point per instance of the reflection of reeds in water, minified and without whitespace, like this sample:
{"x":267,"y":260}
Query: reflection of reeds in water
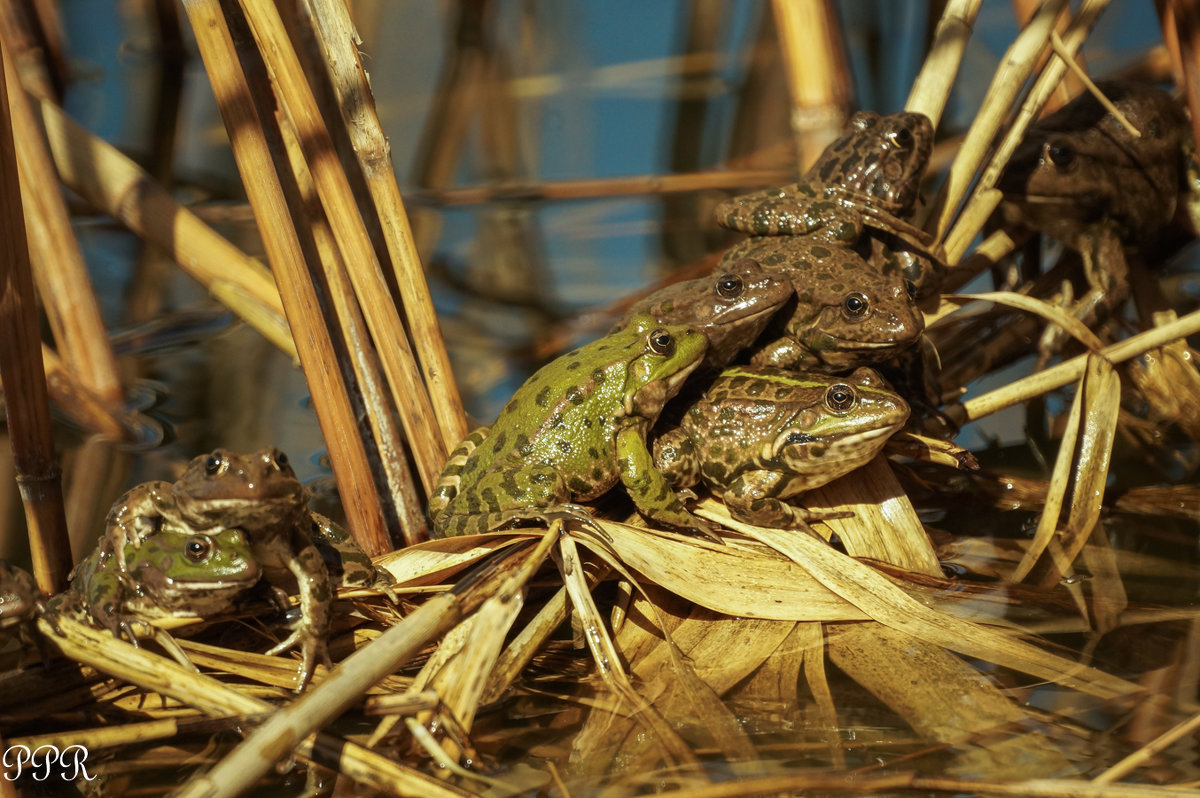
{"x":704,"y":630}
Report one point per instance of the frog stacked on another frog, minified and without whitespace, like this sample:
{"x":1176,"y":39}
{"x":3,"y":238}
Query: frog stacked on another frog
{"x":851,"y":310}
{"x":572,"y":431}
{"x":259,"y":494}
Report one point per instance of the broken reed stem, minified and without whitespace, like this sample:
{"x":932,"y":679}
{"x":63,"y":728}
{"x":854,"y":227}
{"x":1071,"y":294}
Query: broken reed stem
{"x":59,"y":269}
{"x":1065,"y":373}
{"x":335,"y":35}
{"x":153,"y":673}
{"x":276,"y":738}
{"x":1006,"y":85}
{"x":113,"y":183}
{"x":28,"y":407}
{"x":318,"y":358}
{"x":337,"y":199}
{"x":810,"y":44}
{"x":984,"y":198}
{"x":931,"y":90}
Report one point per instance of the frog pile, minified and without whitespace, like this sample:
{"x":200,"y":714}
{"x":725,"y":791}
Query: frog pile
{"x":826,"y":284}
{"x":193,"y":548}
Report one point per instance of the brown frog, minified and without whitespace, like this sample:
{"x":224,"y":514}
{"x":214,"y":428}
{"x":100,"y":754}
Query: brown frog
{"x":868,"y":177}
{"x":1083,"y":178}
{"x":848,"y":312}
{"x":731,"y":307}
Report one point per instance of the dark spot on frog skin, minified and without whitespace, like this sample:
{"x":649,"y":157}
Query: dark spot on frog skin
{"x":564,"y":446}
{"x":487,"y":497}
{"x":557,"y":421}
{"x":575,"y":396}
{"x":587,"y":423}
{"x":541,"y":477}
{"x":523,"y":446}
{"x":592,"y":453}
{"x":543,"y":397}
{"x":819,"y":252}
{"x":598,"y":376}
{"x":726,"y":413}
{"x":579,"y":485}
{"x":498,"y":446}
{"x":597,"y":474}
{"x":574,"y":364}
{"x":714,"y":471}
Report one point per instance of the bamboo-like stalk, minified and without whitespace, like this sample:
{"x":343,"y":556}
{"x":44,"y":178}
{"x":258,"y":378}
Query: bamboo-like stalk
{"x":931,"y":90}
{"x":337,"y":199}
{"x":1006,"y":84}
{"x":112,"y":182}
{"x":818,"y":79}
{"x":61,"y":274}
{"x":314,"y":346}
{"x":26,"y":51}
{"x":336,"y":35}
{"x":21,"y":364}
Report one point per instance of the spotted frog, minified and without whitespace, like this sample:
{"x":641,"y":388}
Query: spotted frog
{"x":20,"y":603}
{"x":1083,"y":178}
{"x":868,"y":177}
{"x":571,"y":432}
{"x":761,"y":435}
{"x":175,"y":572}
{"x":848,"y":312}
{"x":731,"y":307}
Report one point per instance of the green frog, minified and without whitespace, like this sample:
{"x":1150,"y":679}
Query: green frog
{"x":1081,"y":177}
{"x":868,"y":177}
{"x":572,"y":431}
{"x":175,"y":572}
{"x":761,"y":435}
{"x":731,"y":307}
{"x":849,"y":312}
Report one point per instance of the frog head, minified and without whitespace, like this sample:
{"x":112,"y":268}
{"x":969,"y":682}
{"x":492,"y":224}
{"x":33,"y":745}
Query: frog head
{"x":229,"y":489}
{"x":881,"y":158}
{"x":182,"y":573}
{"x":843,"y":424}
{"x":662,"y":357}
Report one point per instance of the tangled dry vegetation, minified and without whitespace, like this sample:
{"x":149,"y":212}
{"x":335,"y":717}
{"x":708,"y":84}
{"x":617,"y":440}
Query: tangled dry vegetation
{"x":623,"y":659}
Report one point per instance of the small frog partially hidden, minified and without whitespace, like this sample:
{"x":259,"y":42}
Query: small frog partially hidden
{"x":20,"y":601}
{"x":869,"y":177}
{"x":572,"y":431}
{"x":759,"y":436}
{"x":174,"y":572}
{"x":260,"y":494}
{"x":848,"y":312}
{"x":731,"y":307}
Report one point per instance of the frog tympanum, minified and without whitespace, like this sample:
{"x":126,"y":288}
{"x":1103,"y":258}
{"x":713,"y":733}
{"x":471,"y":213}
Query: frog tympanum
{"x":761,"y":435}
{"x":572,"y":431}
{"x":731,"y":307}
{"x":869,"y":177}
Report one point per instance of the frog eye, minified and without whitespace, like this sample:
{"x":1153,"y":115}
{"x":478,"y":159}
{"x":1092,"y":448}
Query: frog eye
{"x":840,"y":398}
{"x":215,"y":463}
{"x":730,"y":286}
{"x":661,"y":342}
{"x":198,"y":548}
{"x":902,"y":137}
{"x":281,"y":459}
{"x":855,"y":305}
{"x":1058,"y":154}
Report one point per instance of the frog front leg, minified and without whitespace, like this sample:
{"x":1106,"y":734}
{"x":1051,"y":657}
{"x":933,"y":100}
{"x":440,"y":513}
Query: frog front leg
{"x":753,"y":498}
{"x":311,"y":632}
{"x":648,"y":487}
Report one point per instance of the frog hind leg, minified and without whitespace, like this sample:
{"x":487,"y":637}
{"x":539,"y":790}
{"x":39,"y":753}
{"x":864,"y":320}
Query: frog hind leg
{"x":347,"y":564}
{"x":748,"y":499}
{"x":530,"y":492}
{"x":311,"y":632}
{"x":788,"y":210}
{"x":448,"y":483}
{"x":649,"y":487}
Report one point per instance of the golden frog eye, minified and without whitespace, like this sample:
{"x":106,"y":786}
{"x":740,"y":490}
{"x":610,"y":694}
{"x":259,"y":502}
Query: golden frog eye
{"x":661,"y":342}
{"x":730,"y":286}
{"x":855,"y":305}
{"x":215,"y":463}
{"x":840,"y":398}
{"x":198,"y":548}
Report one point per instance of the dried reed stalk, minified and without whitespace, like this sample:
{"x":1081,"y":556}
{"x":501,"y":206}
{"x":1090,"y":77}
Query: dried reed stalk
{"x":818,"y":78}
{"x":112,"y":182}
{"x":335,"y":36}
{"x":62,"y":277}
{"x":27,"y":52}
{"x":296,"y":100}
{"x":318,"y":357}
{"x":276,"y":738}
{"x":1006,"y":84}
{"x":931,"y":89}
{"x":157,"y":674}
{"x":1183,"y":17}
{"x":21,"y":365}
